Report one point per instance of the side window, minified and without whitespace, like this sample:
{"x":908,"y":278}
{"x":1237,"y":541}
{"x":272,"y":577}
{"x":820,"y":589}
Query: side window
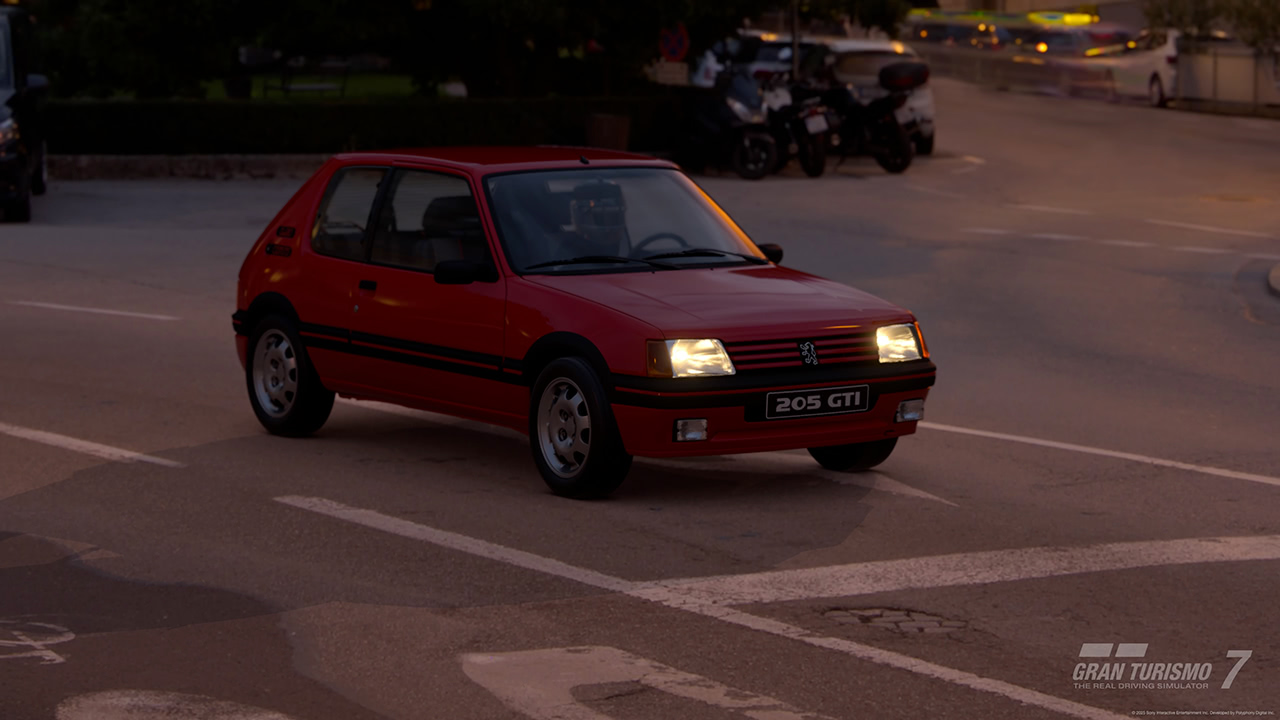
{"x":427,"y":219}
{"x":344,"y":213}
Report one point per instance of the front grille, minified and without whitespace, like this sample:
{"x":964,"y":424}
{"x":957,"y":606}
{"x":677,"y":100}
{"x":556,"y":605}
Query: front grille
{"x":856,"y":347}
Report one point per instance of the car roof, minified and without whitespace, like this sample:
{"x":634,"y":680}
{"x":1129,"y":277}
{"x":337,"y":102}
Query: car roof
{"x":506,"y":159}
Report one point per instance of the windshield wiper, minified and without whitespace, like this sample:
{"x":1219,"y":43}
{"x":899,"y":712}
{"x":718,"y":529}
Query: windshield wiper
{"x":707,"y":252}
{"x":597,"y":259}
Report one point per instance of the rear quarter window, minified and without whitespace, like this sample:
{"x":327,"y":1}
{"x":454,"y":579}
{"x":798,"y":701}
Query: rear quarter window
{"x":339,"y":229}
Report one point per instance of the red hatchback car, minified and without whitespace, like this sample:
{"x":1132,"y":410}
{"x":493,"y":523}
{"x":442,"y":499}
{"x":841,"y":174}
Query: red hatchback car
{"x":599,"y":301}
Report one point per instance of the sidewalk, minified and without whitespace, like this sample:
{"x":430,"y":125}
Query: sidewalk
{"x":202,"y":167}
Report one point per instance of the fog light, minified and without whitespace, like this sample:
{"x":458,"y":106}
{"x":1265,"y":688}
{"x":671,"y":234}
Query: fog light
{"x":691,"y":430}
{"x":910,"y":411}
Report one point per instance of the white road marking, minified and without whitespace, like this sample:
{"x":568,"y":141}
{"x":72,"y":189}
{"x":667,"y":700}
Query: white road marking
{"x":1050,"y":209}
{"x":974,"y":160}
{"x":678,"y":598}
{"x":541,"y":683}
{"x":106,"y":452}
{"x":1127,"y":243}
{"x":1198,"y":249}
{"x":986,"y":231}
{"x":35,"y":635}
{"x":933,"y":191}
{"x":965,"y":170}
{"x":157,"y":705}
{"x":758,"y":464}
{"x":1210,"y":229}
{"x":96,"y":311}
{"x":1204,"y":469}
{"x":454,"y":541}
{"x":975,"y":568}
{"x":1057,"y":236}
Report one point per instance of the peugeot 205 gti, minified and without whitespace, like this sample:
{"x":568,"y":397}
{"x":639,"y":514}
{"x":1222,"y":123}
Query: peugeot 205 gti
{"x":600,"y":302}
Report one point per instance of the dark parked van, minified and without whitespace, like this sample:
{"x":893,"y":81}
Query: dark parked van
{"x":22,"y":142}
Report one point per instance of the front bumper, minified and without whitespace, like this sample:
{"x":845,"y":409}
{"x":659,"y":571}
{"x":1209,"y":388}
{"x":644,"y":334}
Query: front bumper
{"x":734,"y":423}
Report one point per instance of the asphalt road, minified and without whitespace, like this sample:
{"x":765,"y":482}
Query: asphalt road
{"x":1100,"y":467}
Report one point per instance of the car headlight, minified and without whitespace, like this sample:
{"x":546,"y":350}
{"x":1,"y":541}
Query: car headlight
{"x":688,"y":358}
{"x":899,"y":343}
{"x":8,"y":130}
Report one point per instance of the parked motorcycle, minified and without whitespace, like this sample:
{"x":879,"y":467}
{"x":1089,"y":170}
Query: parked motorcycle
{"x":872,"y":127}
{"x":799,"y":126}
{"x":730,"y":127}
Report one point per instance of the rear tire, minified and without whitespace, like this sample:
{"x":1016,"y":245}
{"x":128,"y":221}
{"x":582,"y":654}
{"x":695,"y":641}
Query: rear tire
{"x":284,"y":389}
{"x":40,"y":177}
{"x":572,"y":433}
{"x":1155,"y":93}
{"x":895,"y":152}
{"x":924,"y":144}
{"x":855,"y":457}
{"x":813,"y":155}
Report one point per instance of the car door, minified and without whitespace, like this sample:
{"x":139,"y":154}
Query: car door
{"x":430,"y":344}
{"x":324,"y":294}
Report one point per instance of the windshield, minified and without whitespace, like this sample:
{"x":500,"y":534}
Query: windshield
{"x":6,"y":59}
{"x":612,"y":220}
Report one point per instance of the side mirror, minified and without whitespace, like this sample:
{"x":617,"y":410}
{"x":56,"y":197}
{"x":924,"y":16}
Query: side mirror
{"x":37,"y":83}
{"x":773,"y":252}
{"x":462,"y":272}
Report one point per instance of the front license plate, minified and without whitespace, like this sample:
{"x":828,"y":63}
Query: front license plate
{"x":816,"y":124}
{"x":823,"y":401}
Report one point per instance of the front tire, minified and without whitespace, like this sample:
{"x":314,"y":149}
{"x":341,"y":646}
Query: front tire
{"x":284,"y":389}
{"x":855,"y":457}
{"x":572,"y":433}
{"x":754,"y":155}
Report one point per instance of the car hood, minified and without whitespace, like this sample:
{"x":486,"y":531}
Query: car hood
{"x":730,"y":303}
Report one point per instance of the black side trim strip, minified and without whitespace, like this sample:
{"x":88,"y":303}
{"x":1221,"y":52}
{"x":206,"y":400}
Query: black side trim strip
{"x":835,"y":373}
{"x":416,"y":360}
{"x":411,"y":346}
{"x":751,"y":402}
{"x":238,"y":320}
{"x":327,"y":330}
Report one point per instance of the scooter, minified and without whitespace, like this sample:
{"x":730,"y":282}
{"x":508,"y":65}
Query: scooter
{"x":799,"y":126}
{"x":872,"y":128}
{"x":729,"y":127}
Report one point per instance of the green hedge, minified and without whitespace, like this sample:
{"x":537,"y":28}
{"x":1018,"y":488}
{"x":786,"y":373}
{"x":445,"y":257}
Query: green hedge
{"x":213,"y":127}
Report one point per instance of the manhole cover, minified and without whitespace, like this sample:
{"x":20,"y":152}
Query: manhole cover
{"x":896,"y":619}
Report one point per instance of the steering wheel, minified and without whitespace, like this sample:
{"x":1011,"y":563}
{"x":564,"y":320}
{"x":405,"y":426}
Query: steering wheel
{"x":659,"y":236}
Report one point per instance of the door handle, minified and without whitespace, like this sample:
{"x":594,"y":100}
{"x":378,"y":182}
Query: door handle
{"x":368,"y":285}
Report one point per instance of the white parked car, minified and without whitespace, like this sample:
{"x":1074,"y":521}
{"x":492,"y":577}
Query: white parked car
{"x":858,"y":63}
{"x":1146,"y":66}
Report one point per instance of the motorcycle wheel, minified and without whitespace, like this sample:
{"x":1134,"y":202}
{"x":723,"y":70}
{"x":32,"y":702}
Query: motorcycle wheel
{"x":895,"y":151}
{"x":813,"y":155}
{"x":754,"y":156}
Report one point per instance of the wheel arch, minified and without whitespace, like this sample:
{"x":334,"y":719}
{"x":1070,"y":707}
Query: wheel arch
{"x":552,"y":346}
{"x":265,"y":304}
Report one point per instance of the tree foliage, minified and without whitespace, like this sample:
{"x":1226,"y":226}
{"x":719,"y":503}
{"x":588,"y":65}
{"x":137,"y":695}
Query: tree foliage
{"x":1256,"y":22}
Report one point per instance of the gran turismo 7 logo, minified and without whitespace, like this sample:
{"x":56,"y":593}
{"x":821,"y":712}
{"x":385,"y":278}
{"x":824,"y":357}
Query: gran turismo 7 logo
{"x":1122,"y":666}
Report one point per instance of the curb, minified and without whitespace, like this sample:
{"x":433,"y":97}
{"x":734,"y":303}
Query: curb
{"x":201,"y":167}
{"x":1273,"y":280}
